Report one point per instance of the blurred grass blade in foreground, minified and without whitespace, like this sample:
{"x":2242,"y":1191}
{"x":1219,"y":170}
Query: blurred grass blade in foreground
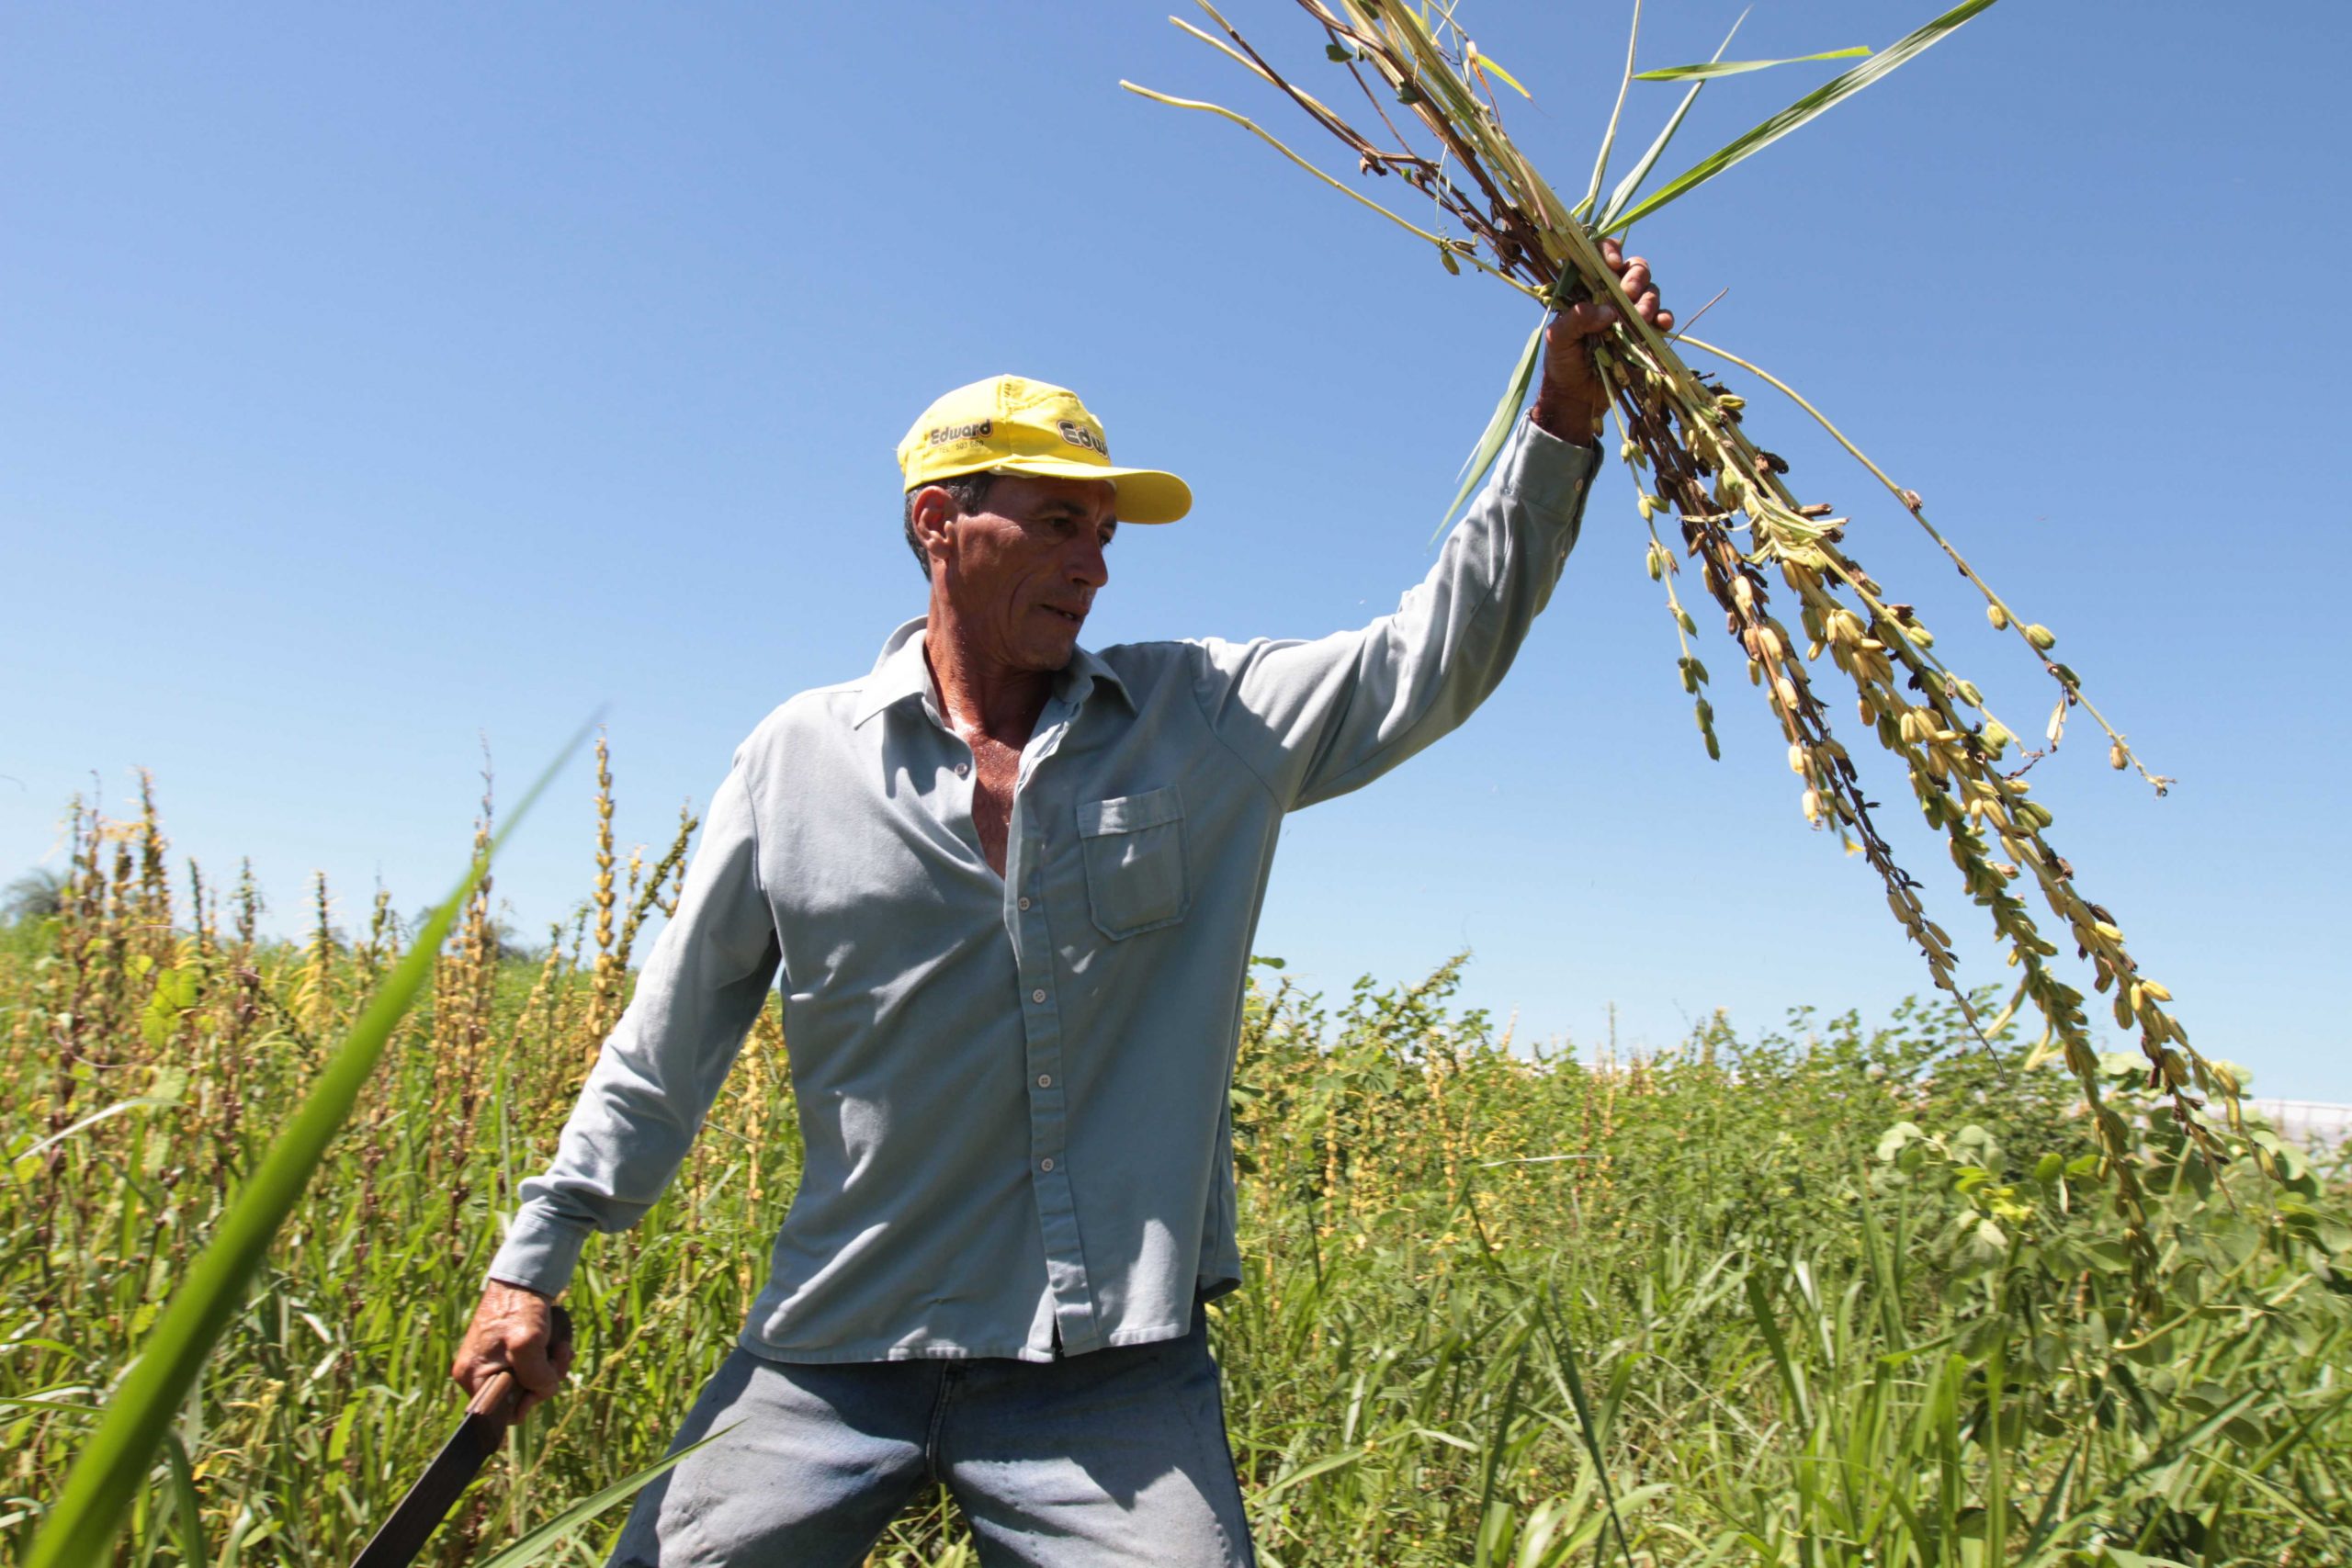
{"x":82,"y":1523}
{"x":536,"y":1546}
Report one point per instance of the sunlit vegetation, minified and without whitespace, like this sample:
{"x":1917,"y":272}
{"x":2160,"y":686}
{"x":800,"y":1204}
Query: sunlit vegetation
{"x":1844,"y":1292}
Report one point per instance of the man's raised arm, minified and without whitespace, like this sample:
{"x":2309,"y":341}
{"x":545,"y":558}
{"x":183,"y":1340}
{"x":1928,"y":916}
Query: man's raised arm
{"x":654,"y":1082}
{"x":1316,"y":719}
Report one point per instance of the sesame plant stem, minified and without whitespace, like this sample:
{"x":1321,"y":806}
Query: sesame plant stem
{"x":1259,"y":130}
{"x":1686,"y":432}
{"x":1911,"y":504}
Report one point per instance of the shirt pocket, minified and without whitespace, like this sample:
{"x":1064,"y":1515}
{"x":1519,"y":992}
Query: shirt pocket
{"x":1134,"y":847}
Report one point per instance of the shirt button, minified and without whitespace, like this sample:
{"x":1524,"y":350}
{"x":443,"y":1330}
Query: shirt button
{"x":1045,"y":1164}
{"x":1038,"y":995}
{"x":1045,"y":1080}
{"x":1024,"y":903}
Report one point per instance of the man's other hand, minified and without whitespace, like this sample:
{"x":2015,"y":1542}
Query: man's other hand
{"x":510,"y":1333}
{"x":1571,"y":400}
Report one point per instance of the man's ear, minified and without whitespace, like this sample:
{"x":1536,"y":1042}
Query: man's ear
{"x":935,"y":512}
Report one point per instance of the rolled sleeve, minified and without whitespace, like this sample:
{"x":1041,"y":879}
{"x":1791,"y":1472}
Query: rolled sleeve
{"x":1548,"y":476}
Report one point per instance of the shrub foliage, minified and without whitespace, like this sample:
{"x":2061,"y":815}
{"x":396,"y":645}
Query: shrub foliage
{"x":1838,"y":1293}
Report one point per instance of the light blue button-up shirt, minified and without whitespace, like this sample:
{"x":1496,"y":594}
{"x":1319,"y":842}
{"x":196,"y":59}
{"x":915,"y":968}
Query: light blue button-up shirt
{"x":1013,"y":1090}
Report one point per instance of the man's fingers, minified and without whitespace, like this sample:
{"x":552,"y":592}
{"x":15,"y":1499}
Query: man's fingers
{"x":1585,"y":318}
{"x":536,"y":1372}
{"x":528,"y":1358}
{"x":510,"y":1334}
{"x":475,"y":1367}
{"x":1633,"y":276}
{"x":528,"y":1399}
{"x":1590,"y":317}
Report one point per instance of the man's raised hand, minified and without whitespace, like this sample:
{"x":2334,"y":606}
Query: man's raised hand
{"x":1571,"y":400}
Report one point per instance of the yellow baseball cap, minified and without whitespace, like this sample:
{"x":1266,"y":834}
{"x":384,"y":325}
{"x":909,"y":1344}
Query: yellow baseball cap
{"x":1009,"y":424}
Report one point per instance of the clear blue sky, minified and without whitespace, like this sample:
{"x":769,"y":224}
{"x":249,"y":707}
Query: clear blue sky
{"x":376,"y":378}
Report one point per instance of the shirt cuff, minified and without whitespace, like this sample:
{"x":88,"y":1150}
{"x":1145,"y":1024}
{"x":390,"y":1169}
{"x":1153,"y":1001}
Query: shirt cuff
{"x":539,"y":1253}
{"x":1541,"y":472}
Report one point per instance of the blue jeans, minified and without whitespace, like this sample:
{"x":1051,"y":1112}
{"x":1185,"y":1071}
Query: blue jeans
{"x":1116,"y":1457}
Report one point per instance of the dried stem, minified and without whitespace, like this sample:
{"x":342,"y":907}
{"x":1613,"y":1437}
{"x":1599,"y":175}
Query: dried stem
{"x":1685,"y":433}
{"x":2009,"y":618}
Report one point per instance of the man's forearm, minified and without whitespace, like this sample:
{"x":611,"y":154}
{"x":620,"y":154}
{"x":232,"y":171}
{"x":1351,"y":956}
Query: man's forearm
{"x":704,"y":983}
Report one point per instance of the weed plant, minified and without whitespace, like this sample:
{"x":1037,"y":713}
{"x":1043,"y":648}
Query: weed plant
{"x":1837,"y":1294}
{"x":1436,"y":100}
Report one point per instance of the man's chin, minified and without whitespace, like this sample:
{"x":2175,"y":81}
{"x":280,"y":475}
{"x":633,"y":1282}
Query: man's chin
{"x":1049,"y":657}
{"x":1060,"y":638}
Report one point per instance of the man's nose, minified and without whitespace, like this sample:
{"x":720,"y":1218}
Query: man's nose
{"x":1087,"y":565}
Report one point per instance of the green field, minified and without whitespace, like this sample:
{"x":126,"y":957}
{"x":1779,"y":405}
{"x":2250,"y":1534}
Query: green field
{"x":1844,"y":1293}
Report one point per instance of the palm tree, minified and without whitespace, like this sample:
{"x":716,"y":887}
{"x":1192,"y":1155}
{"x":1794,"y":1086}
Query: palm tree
{"x":38,"y":894}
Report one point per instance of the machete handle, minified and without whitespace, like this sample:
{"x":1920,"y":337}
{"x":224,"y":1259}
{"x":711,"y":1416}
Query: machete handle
{"x":560,"y":1329}
{"x":497,"y":1391}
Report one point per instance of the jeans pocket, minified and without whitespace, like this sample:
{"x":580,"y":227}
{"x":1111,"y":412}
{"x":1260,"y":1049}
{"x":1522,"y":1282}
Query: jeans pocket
{"x":1134,"y":846}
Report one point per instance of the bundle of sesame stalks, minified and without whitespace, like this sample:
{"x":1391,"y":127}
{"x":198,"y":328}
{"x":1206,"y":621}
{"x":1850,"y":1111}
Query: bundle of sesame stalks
{"x":1435,"y":97}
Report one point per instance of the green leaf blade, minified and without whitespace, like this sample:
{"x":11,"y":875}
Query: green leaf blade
{"x":545,"y":1539}
{"x":1711,"y":69}
{"x":1490,"y":444}
{"x":1807,"y":107}
{"x":1641,"y":171}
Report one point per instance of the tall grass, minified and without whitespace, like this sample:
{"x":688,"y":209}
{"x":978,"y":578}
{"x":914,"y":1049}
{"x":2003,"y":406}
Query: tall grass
{"x":1835,"y":1294}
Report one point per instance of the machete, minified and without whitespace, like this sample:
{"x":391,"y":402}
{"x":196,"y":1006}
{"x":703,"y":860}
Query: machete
{"x":460,"y":1459}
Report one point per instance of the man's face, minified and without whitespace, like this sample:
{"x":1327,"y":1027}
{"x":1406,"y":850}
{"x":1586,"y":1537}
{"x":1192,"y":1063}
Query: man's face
{"x":1022,"y":571}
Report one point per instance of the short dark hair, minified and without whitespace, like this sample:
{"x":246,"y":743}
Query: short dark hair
{"x":971,"y":492}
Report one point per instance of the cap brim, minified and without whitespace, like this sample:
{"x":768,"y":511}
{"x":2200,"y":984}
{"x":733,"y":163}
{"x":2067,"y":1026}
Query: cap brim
{"x":1142,"y":495}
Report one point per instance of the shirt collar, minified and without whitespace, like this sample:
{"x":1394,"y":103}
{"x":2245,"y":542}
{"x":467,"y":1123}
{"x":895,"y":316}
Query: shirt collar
{"x":901,"y":673}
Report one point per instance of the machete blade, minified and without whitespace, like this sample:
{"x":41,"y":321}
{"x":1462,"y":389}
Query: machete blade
{"x":403,"y":1536}
{"x":436,"y":1493}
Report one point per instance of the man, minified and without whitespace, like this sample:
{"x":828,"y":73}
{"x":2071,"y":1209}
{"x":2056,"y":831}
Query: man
{"x":1010,"y":887}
